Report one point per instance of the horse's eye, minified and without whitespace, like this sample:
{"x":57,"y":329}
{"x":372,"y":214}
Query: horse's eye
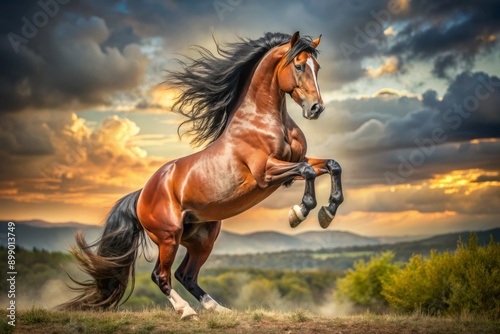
{"x":299,"y":68}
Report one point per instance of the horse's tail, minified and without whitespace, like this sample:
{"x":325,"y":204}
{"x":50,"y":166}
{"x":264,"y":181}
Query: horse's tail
{"x":112,"y":263}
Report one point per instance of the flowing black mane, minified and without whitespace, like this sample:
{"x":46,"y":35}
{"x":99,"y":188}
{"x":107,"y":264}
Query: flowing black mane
{"x":210,"y":85}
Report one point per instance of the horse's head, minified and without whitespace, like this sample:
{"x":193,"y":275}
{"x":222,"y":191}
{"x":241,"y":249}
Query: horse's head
{"x":298,"y":75}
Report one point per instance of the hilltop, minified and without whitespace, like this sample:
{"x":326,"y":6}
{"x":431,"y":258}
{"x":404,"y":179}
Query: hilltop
{"x":255,"y":321}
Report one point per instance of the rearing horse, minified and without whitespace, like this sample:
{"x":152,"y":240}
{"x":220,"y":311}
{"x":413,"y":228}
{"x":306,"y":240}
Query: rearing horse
{"x":236,"y":102}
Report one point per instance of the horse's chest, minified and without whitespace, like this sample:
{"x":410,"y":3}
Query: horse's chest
{"x":294,"y":148}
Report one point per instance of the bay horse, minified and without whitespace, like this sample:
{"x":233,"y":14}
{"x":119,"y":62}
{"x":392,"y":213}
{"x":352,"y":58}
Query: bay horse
{"x":237,"y":103}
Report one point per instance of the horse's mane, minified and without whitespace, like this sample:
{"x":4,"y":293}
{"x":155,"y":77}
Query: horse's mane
{"x":210,"y":86}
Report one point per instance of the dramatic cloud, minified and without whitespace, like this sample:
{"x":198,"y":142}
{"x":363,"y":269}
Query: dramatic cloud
{"x":442,"y":64}
{"x":69,"y":67}
{"x":390,"y":66}
{"x":72,"y":163}
{"x":448,"y":32}
{"x":87,"y":52}
{"x":468,"y":110}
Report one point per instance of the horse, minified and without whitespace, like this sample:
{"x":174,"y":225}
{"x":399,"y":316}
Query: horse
{"x":235,"y":102}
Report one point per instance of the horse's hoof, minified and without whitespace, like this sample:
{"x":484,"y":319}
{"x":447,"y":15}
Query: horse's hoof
{"x":190,"y":315}
{"x":295,"y":216}
{"x":193,"y":317}
{"x":222,"y":309}
{"x":325,"y":217}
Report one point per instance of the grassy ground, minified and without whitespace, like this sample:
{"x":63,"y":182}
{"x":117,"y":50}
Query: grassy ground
{"x":258,"y":321}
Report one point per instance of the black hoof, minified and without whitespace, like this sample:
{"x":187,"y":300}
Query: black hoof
{"x":325,"y":217}
{"x":295,"y":216}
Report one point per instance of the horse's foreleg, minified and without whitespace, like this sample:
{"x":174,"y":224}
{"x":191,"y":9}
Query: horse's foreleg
{"x":327,"y":213}
{"x":198,"y":239}
{"x":280,"y":171}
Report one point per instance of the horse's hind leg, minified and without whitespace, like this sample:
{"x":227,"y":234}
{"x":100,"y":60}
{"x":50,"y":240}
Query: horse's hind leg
{"x":198,"y":238}
{"x":180,"y":305}
{"x":167,"y":236}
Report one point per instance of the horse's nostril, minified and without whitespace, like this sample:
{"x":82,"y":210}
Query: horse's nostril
{"x":315,"y":108}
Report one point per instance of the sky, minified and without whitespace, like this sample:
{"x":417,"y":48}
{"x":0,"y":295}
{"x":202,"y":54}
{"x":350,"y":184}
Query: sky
{"x":411,"y":88}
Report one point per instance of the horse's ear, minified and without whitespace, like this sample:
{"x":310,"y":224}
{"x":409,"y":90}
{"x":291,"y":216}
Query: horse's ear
{"x":315,"y":43}
{"x":294,"y":39}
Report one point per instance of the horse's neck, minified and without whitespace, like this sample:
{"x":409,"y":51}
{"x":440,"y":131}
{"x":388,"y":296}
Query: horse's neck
{"x":263,"y":98}
{"x":262,"y":114}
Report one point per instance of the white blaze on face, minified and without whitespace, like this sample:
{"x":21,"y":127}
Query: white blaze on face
{"x":310,"y":63}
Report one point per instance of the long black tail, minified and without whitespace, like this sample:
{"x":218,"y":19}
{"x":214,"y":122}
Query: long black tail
{"x":113,"y":262}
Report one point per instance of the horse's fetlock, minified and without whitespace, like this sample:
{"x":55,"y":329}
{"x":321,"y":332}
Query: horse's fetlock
{"x":333,"y":167}
{"x":309,"y":202}
{"x":308,"y":172}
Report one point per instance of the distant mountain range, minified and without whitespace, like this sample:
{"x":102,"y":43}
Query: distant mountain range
{"x":265,"y":242}
{"x":59,"y":237}
{"x":52,"y":237}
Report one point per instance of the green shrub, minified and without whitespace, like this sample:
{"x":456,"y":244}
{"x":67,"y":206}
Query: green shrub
{"x":294,"y":288}
{"x":363,"y":284}
{"x":226,"y":287}
{"x":475,"y":280}
{"x":260,"y":293}
{"x":467,"y":281}
{"x":423,"y":284}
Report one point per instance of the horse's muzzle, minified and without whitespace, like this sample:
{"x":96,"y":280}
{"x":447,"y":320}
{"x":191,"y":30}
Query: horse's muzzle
{"x":313,"y":112}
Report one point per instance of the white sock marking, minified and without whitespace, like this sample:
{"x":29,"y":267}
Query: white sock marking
{"x":180,"y":305}
{"x":208,"y":303}
{"x":329,"y":214}
{"x":298,"y":211}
